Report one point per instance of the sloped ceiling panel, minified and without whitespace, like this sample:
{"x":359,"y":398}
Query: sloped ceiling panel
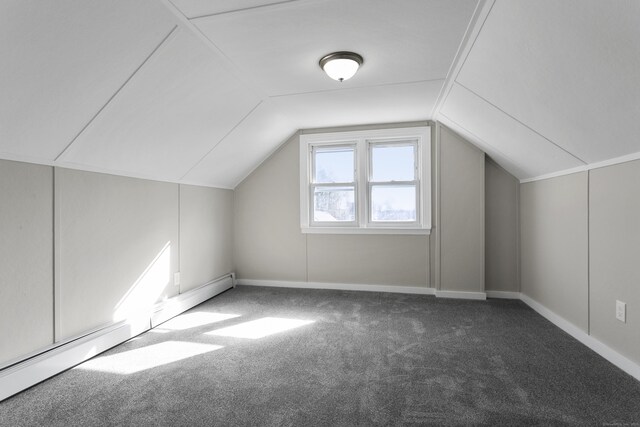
{"x":380,"y":104}
{"x":178,"y":106}
{"x":278,"y":48}
{"x":62,"y":60}
{"x":198,"y":8}
{"x":520,"y":150}
{"x":567,"y":69}
{"x":252,"y":141}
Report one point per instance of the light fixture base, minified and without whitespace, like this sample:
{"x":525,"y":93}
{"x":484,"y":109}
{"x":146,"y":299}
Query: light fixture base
{"x":341,"y":65}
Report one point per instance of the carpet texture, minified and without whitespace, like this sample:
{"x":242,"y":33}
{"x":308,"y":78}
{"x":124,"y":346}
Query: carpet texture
{"x":334,"y":358}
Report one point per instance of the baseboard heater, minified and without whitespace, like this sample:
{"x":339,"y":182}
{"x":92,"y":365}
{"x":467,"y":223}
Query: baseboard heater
{"x":64,"y":355}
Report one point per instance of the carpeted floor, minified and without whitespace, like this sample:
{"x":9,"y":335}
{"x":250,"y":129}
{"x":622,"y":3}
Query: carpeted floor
{"x":315,"y":357}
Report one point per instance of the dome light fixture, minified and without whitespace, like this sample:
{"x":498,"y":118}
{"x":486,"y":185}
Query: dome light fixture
{"x":341,"y":66}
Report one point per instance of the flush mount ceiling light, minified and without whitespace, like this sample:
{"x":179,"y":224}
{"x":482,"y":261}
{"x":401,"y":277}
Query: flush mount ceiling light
{"x":341,"y":66}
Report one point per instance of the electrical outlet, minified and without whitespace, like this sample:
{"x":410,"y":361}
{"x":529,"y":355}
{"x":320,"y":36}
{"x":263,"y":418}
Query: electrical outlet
{"x":621,"y":311}
{"x":176,"y":279}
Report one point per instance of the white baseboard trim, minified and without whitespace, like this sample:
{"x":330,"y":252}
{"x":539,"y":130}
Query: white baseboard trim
{"x":37,"y":369}
{"x":594,"y":344}
{"x":183,"y":302}
{"x":338,"y":286}
{"x":56,"y":359}
{"x":503,"y":294}
{"x":461,"y":295}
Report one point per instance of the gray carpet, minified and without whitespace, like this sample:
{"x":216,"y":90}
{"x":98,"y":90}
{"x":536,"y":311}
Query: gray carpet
{"x":367,"y":359}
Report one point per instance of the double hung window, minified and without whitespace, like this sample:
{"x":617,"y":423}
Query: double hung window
{"x":374,"y":181}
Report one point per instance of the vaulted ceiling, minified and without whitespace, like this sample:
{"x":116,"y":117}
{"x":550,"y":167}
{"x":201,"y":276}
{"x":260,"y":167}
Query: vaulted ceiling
{"x":201,"y":91}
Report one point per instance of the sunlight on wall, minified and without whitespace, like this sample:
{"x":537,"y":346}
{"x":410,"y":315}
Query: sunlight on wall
{"x":140,"y":359}
{"x":145,"y":291}
{"x":192,"y":320}
{"x":260,"y":328}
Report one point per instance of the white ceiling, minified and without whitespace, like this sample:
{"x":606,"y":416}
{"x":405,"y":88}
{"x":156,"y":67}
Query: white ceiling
{"x":201,"y":92}
{"x":552,"y":84}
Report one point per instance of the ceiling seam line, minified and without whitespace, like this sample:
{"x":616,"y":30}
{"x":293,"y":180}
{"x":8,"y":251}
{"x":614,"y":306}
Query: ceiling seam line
{"x":355,"y":88}
{"x":455,"y":79}
{"x":248,"y":83}
{"x":222,"y":139}
{"x":461,"y":47}
{"x":129,"y":174}
{"x":245,"y":9}
{"x":522,"y":123}
{"x":450,"y":79}
{"x":478,"y":138}
{"x":112,"y":97}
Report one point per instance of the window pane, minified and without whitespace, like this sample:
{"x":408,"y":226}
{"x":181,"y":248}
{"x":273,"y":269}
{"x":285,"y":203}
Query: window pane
{"x":333,"y":164}
{"x":331,"y":204}
{"x":393,"y":163}
{"x":391,"y":203}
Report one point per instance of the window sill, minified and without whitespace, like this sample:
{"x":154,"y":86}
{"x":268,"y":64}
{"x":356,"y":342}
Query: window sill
{"x":362,"y":230}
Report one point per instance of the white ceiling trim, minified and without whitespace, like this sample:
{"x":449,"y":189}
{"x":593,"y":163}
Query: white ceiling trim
{"x":479,"y":17}
{"x":609,"y":162}
{"x":163,"y":42}
{"x":129,"y":174}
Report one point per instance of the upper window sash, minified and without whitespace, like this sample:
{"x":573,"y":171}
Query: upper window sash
{"x":326,"y":147}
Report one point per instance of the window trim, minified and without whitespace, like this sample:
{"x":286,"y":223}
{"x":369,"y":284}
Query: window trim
{"x":364,"y":140}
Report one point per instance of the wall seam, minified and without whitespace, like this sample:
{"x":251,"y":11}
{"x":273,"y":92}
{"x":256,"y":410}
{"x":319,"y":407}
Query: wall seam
{"x":484,"y":223}
{"x":57,"y":294}
{"x":53,"y":250}
{"x":588,"y":252}
{"x":518,"y":240}
{"x":178,"y":238}
{"x":306,"y":257}
{"x":439,"y":209}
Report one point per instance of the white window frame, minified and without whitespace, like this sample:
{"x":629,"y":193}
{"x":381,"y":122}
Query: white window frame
{"x":312,"y":185}
{"x":364,"y":141}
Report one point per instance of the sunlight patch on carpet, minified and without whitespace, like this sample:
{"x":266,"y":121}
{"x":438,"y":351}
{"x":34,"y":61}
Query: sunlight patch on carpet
{"x":141,"y":359}
{"x":260,"y":328}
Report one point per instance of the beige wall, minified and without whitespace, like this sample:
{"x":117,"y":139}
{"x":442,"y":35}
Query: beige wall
{"x":206,"y":229}
{"x":614,"y":255}
{"x":109,"y":231}
{"x":270,"y":246}
{"x":115,"y":244}
{"x":580,"y":236}
{"x":502,"y":229}
{"x":461,"y":214}
{"x":26,"y":258}
{"x":554,"y":253}
{"x":268,"y":243}
{"x":368,"y":259}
